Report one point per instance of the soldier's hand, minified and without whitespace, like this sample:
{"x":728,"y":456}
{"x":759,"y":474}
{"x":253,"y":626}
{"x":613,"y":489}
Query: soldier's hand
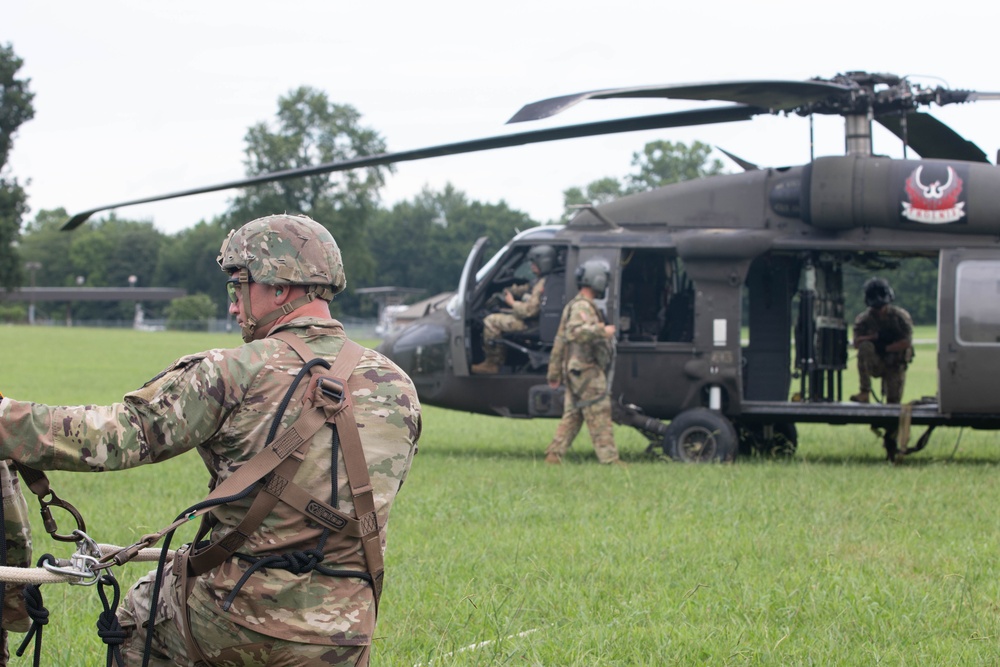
{"x":508,"y":297}
{"x":554,"y":384}
{"x":609,"y":331}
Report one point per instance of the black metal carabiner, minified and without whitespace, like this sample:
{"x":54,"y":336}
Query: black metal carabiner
{"x":50,"y":499}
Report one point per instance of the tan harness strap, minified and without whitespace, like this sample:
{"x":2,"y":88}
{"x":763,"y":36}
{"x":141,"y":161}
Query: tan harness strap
{"x":295,"y":438}
{"x":278,"y":457}
{"x":364,"y":498}
{"x":357,"y":470}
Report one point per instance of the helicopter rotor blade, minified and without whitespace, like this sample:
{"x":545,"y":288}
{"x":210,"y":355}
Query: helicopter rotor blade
{"x":725,"y":114}
{"x":931,"y":138}
{"x":774,"y":95}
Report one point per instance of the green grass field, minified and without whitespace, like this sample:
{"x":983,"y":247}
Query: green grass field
{"x":831,"y":558}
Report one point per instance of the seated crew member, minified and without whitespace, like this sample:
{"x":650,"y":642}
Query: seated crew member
{"x":524,"y":301}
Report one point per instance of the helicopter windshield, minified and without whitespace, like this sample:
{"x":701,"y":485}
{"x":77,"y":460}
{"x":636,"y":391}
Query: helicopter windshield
{"x":543,"y":231}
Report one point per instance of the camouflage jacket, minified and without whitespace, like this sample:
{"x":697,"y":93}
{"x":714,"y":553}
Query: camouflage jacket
{"x":222,"y":402}
{"x":893,"y":326}
{"x":580,"y":342}
{"x":528,"y":299}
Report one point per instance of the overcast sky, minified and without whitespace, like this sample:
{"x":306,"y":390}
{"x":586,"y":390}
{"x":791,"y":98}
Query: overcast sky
{"x":136,"y":99}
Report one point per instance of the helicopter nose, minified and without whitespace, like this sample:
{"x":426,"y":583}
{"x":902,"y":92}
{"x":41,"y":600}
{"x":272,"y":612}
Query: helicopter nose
{"x":421,"y":350}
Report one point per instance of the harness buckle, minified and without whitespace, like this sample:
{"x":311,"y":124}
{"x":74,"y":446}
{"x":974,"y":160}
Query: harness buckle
{"x":331,"y":388}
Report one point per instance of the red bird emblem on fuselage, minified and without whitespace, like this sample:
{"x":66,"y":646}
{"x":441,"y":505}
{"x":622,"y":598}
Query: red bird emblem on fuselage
{"x":935,"y":203}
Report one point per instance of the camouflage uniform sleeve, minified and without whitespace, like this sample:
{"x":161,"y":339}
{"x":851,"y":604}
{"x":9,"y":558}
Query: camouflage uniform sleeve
{"x":862,"y":325}
{"x":17,"y":532}
{"x":531,"y":306}
{"x":519,"y":290}
{"x":555,"y":370}
{"x":584,"y":325}
{"x":905,"y":323}
{"x":174,"y":412}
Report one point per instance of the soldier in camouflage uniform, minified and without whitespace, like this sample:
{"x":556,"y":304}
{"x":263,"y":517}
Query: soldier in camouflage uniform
{"x":524,"y":301}
{"x":316,"y":606}
{"x":883,"y":336}
{"x":17,"y":533}
{"x":581,"y":360}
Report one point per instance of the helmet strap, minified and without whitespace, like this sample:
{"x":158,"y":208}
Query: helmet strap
{"x":251,"y":324}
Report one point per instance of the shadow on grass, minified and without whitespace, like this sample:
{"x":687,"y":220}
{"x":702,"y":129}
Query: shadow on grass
{"x":918,"y":460}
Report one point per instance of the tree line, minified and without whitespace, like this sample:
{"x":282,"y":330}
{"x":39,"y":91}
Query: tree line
{"x":419,"y":243}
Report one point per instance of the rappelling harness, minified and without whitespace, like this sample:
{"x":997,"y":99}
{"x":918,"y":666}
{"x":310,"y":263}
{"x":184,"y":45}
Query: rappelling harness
{"x":326,"y":402}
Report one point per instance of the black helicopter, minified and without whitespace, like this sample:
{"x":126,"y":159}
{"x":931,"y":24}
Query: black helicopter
{"x":691,"y":257}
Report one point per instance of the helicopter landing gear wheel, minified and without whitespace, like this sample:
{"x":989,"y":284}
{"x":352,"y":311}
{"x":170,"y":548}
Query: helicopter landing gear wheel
{"x":700,"y":436}
{"x":779,"y":442}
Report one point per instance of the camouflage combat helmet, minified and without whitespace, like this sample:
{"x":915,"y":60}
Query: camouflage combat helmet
{"x":594,"y":273}
{"x":282,"y":250}
{"x":878,"y":293}
{"x":544,"y":257}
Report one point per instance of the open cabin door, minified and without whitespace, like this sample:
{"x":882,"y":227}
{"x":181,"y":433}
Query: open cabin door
{"x":461,"y":345}
{"x":969,"y":330}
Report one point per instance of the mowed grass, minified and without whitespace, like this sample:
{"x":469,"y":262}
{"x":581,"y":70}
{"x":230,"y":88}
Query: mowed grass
{"x":494,"y":558}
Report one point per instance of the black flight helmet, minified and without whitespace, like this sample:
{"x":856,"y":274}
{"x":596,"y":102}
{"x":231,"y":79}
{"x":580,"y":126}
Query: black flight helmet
{"x":878,"y":293}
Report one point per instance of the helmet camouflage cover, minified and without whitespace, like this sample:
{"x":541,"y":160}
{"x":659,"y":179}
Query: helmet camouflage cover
{"x":285,"y":250}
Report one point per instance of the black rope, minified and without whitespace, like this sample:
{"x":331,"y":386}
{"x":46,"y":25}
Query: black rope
{"x":108,"y":628}
{"x":37,"y":612}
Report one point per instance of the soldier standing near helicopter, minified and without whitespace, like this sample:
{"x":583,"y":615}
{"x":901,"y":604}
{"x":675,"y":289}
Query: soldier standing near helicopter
{"x":581,"y":359}
{"x":524,"y":302}
{"x":883,"y":336}
{"x":290,"y":571}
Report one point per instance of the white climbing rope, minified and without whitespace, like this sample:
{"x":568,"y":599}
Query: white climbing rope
{"x":41,"y":575}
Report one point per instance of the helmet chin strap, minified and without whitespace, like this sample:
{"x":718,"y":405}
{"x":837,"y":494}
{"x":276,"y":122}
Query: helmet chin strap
{"x":251,"y":324}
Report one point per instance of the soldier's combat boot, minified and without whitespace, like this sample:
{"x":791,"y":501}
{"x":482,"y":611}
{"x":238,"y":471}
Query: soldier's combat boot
{"x":487,"y":367}
{"x":861,"y":397}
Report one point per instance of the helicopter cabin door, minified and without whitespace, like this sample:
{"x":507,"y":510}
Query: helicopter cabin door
{"x":461,"y":352}
{"x":968,"y":330}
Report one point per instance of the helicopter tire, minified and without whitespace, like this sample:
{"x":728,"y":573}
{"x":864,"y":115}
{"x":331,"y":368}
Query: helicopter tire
{"x":701,"y":435}
{"x":783,"y":443}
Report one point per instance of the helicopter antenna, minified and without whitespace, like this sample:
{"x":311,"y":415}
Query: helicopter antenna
{"x":812,"y":138}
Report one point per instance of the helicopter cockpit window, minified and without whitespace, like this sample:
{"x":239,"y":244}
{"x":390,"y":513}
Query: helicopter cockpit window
{"x":976,"y":298}
{"x":657,"y":297}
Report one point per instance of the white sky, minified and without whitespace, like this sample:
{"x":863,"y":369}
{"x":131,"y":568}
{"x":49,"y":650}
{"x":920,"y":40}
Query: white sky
{"x":136,"y":98}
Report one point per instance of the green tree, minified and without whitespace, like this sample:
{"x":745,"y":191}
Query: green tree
{"x":424,"y":242}
{"x":311,"y":130}
{"x":664,"y":162}
{"x":15,"y":108}
{"x":104,"y":253}
{"x":187,"y":260}
{"x":660,"y":163}
{"x":190,"y":312}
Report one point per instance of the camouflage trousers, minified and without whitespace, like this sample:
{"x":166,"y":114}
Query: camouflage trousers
{"x":17,"y":532}
{"x":494,"y":326}
{"x":583,"y":387}
{"x":872,"y":364}
{"x":226,"y":644}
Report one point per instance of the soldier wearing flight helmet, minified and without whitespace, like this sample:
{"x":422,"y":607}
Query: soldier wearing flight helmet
{"x":582,"y":361}
{"x":524,"y":302}
{"x":883,"y":336}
